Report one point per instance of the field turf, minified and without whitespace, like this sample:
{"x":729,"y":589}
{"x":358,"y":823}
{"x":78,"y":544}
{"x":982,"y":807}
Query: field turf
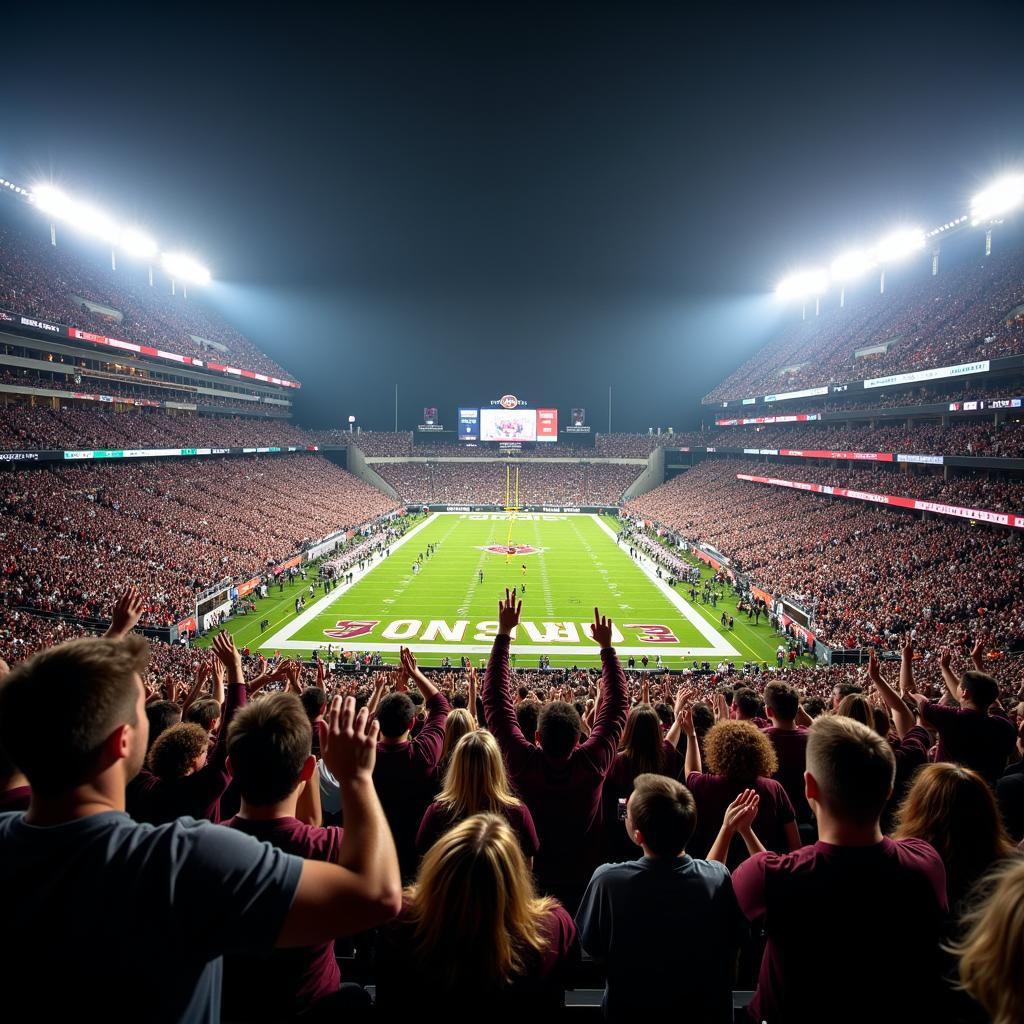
{"x":572,"y":564}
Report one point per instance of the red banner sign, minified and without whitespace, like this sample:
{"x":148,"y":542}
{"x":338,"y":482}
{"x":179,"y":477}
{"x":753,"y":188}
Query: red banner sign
{"x":159,"y":353}
{"x":980,"y":515}
{"x":822,"y":453}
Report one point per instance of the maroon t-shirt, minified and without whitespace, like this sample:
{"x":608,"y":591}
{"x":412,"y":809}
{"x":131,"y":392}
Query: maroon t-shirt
{"x":438,"y":819}
{"x":791,"y":750}
{"x":824,"y":909}
{"x":289,"y":981}
{"x":16,"y":799}
{"x":975,"y":739}
{"x":404,"y":780}
{"x":406,"y":988}
{"x":563,"y":793}
{"x":714,"y":793}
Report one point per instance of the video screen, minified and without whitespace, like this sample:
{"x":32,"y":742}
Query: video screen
{"x":508,"y":424}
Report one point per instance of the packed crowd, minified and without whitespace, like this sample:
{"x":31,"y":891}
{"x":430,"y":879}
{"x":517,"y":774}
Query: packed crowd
{"x":968,"y":489}
{"x":129,"y":387}
{"x":369,"y":442}
{"x":483,"y":483}
{"x":958,"y":316}
{"x":269,"y":821}
{"x":174,"y":527}
{"x":871,"y":574}
{"x":977,"y":438}
{"x":40,"y":280}
{"x":631,"y":445}
{"x":78,"y":426}
{"x":956,"y":389}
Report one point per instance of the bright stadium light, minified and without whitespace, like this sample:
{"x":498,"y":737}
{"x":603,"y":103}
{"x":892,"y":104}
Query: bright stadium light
{"x":91,"y":221}
{"x":999,"y":198}
{"x":52,"y":201}
{"x":852,"y":264}
{"x":899,"y":245}
{"x":802,"y":284}
{"x":136,"y":243}
{"x":184,"y":268}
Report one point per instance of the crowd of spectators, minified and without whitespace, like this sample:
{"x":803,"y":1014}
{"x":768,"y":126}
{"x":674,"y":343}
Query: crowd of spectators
{"x":68,"y":534}
{"x":966,"y":438}
{"x":631,"y":445}
{"x":369,"y":442}
{"x":528,"y":821}
{"x":956,"y":389}
{"x":81,"y":427}
{"x":484,"y":483}
{"x":47,"y":282}
{"x":969,"y":489}
{"x":872,"y":574}
{"x":962,"y":314}
{"x":130,"y":387}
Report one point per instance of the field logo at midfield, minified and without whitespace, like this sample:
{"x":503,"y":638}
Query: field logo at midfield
{"x":512,"y":549}
{"x":346,"y":629}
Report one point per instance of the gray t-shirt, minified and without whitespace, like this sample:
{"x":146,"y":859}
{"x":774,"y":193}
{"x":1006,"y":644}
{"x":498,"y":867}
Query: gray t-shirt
{"x":667,"y":932}
{"x":104,"y":912}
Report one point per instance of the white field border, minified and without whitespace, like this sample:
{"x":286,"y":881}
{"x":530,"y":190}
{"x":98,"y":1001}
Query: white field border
{"x":718,"y":645}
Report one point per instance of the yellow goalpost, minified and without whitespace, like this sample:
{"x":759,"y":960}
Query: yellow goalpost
{"x":511,"y":505}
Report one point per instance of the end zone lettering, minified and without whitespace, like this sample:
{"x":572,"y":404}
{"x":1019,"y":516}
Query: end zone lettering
{"x":442,"y":631}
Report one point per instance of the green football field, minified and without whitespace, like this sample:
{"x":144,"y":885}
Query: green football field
{"x":572,"y":564}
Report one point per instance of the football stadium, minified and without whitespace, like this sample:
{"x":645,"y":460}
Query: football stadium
{"x":425,"y":602}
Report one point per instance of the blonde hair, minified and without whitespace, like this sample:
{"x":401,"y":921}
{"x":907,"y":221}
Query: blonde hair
{"x":459,"y":722}
{"x":475,"y":781}
{"x":476,"y":916}
{"x":992,"y":950}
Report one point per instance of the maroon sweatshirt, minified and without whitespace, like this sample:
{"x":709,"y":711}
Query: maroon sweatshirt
{"x":563,"y":793}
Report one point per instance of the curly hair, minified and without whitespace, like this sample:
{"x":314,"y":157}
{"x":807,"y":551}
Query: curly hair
{"x":174,"y":753}
{"x":739,"y":751}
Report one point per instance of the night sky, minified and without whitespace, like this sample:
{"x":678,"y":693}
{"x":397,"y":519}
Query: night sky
{"x":472,"y":199}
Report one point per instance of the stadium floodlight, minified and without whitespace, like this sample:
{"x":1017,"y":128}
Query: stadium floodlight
{"x":91,"y":221}
{"x":999,"y":198}
{"x":184,"y":268}
{"x":852,"y":264}
{"x":52,"y":201}
{"x":899,"y":244}
{"x":136,"y":243}
{"x":802,"y":284}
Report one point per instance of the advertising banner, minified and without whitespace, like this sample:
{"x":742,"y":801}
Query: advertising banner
{"x":917,"y":504}
{"x":936,"y":373}
{"x":248,"y":586}
{"x":815,"y":453}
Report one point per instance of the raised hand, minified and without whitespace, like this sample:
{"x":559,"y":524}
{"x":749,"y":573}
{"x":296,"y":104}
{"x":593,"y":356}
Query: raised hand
{"x":685,"y":719}
{"x":874,"y":672}
{"x":127,"y":612}
{"x":945,"y":658}
{"x":601,"y":630}
{"x":508,"y":614}
{"x":227,"y":654}
{"x":740,"y":814}
{"x":348,"y":741}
